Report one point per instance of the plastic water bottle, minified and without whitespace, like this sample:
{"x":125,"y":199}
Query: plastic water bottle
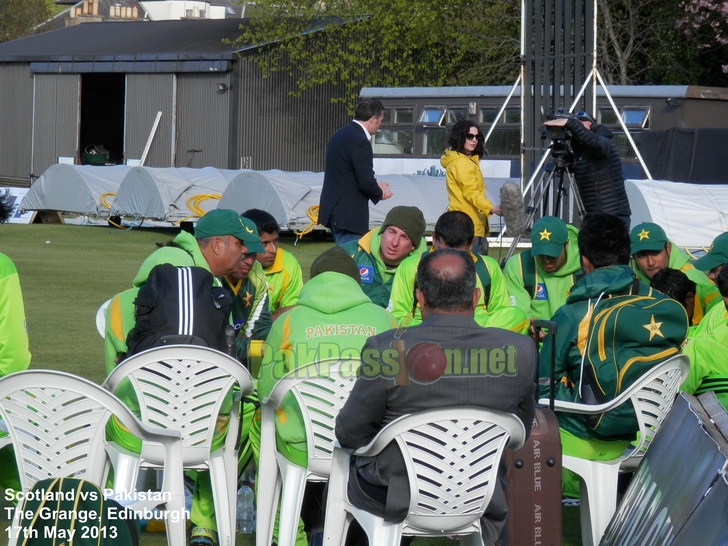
{"x":245,"y":510}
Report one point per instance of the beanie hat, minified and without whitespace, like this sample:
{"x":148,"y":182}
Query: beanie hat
{"x":408,"y":219}
{"x":336,"y":260}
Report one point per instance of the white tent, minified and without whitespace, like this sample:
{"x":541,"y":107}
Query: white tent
{"x":291,"y":196}
{"x":170,"y":194}
{"x":692,"y":215}
{"x":288,"y":196}
{"x":83,"y":189}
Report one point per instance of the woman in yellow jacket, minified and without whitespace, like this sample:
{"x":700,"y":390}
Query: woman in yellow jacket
{"x":465,"y":186}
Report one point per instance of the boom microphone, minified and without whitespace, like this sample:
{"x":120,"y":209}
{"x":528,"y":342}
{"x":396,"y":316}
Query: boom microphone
{"x":511,"y":201}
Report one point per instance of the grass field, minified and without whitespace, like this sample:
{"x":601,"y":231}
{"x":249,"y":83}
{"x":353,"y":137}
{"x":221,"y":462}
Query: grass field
{"x":67,"y":272}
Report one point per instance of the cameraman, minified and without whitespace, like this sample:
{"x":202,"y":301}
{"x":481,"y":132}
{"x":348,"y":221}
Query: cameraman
{"x":596,"y":166}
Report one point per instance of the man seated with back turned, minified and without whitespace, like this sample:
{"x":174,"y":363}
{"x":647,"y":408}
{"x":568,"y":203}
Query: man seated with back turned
{"x":455,"y":229}
{"x":221,"y":240}
{"x":652,"y":250}
{"x":447,"y":296}
{"x":333,"y":319}
{"x":637,"y":327}
{"x":379,"y":252}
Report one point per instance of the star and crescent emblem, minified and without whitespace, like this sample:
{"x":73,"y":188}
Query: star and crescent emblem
{"x":644,"y":234}
{"x":545,"y":234}
{"x":653,"y":328}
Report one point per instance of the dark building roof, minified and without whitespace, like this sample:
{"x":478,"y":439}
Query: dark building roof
{"x":148,"y":41}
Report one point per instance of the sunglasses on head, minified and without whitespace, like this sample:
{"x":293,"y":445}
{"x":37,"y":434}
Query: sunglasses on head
{"x":471,"y":136}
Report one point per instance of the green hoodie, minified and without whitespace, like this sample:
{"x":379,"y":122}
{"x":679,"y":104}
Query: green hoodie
{"x":575,"y":320}
{"x":497,"y":314}
{"x":707,"y":294}
{"x":550,"y":290}
{"x":376,"y":278}
{"x":14,"y":354}
{"x":333,"y":319}
{"x":708,"y":365}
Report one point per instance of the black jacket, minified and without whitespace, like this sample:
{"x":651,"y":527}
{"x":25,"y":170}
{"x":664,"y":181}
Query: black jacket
{"x":598,"y":170}
{"x":349,"y":182}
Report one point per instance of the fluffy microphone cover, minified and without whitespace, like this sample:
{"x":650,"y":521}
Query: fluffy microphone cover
{"x":514,"y":213}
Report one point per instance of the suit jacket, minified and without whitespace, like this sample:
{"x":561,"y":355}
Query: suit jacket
{"x":349,"y":182}
{"x":376,"y":401}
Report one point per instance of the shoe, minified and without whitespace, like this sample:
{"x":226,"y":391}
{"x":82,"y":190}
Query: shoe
{"x":203,"y":537}
{"x":566,"y":501}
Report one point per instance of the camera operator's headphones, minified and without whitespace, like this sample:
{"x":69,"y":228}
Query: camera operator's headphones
{"x":583,"y":116}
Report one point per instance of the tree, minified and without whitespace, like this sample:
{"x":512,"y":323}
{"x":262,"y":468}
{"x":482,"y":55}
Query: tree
{"x":706,"y":20}
{"x":358,"y":43}
{"x":19,"y":18}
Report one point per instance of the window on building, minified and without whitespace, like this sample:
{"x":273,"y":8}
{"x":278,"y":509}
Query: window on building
{"x":432,"y":115}
{"x":434,"y":140}
{"x":404,"y":115}
{"x":635,"y":117}
{"x":456,"y":114}
{"x":394,"y":141}
{"x":504,"y":141}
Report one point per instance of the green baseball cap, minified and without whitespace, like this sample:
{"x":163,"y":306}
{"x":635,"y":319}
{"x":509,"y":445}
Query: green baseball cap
{"x":647,"y":236}
{"x":221,"y":222}
{"x":548,"y":237}
{"x":717,"y":255}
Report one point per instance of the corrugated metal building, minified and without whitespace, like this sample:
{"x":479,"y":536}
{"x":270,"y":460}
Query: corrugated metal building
{"x":99,"y":87}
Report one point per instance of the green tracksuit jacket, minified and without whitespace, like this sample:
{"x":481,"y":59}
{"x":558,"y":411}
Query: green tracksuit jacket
{"x":251,"y":316}
{"x":333,"y":318}
{"x":708,"y":365}
{"x":707,"y":294}
{"x":376,"y":278}
{"x":550,"y":290}
{"x":14,"y":353}
{"x":497,"y":314}
{"x":573,"y":321}
{"x":285,"y":281}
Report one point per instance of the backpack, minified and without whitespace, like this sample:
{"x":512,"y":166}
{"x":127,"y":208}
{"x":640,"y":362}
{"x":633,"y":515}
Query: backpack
{"x":628,"y":334}
{"x":59,"y":511}
{"x":180,"y":305}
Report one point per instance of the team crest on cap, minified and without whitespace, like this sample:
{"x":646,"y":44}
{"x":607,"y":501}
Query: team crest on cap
{"x":644,"y":234}
{"x":545,"y":234}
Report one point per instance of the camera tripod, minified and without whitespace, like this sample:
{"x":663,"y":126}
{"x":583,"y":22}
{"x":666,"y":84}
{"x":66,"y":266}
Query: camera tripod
{"x":540,"y":193}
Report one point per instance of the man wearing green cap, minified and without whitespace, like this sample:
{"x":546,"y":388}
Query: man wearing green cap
{"x":332,"y":319}
{"x":539,"y":279}
{"x":652,"y":250}
{"x":221,"y":239}
{"x":716,"y":319}
{"x":379,"y":252}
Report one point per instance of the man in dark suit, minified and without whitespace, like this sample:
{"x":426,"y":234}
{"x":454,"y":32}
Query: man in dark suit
{"x":349,"y":182}
{"x":447,"y":295}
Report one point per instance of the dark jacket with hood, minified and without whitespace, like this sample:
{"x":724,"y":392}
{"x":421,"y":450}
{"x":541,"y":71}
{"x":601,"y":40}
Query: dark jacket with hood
{"x":598,"y":169}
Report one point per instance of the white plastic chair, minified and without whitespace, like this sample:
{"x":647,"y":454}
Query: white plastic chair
{"x":321,"y":389}
{"x":57,"y":425}
{"x":182,"y":387}
{"x":101,"y":318}
{"x":652,"y":397}
{"x":452,"y":457}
